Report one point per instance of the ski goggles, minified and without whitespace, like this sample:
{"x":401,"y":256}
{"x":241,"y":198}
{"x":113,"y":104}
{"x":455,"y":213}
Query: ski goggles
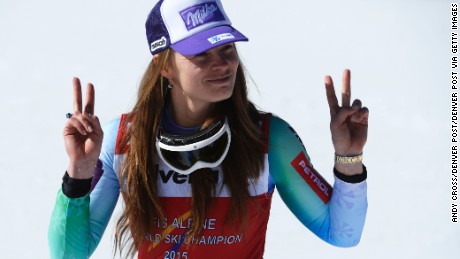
{"x":205,"y":148}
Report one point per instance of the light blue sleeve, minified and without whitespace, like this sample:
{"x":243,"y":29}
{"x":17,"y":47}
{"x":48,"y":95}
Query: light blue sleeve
{"x":335,"y":215}
{"x":104,"y":196}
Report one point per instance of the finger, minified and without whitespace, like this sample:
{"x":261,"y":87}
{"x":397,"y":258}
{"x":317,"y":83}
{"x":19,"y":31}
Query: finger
{"x":345,"y":113}
{"x":331,"y":97}
{"x":361,"y":116}
{"x":96,"y":127}
{"x":96,"y":124}
{"x":364,"y":115}
{"x":83,"y":122}
{"x":90,"y":99}
{"x":76,"y":95}
{"x":73,"y":126}
{"x":357,"y":104}
{"x":346,"y":88}
{"x":90,"y":122}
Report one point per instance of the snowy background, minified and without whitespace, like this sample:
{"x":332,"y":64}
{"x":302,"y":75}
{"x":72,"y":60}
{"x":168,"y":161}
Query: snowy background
{"x":399,"y":55}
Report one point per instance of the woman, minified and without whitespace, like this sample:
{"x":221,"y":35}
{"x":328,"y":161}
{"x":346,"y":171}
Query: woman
{"x":195,"y":161}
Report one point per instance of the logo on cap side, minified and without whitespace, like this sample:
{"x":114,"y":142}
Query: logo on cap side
{"x":220,"y":37}
{"x":158,"y":44}
{"x":201,"y":14}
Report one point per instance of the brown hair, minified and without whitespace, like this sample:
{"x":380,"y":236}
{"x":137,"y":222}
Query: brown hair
{"x":139,"y":172}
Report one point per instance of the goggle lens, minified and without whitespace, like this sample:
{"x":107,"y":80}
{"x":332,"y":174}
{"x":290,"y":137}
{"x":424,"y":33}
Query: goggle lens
{"x":204,"y":153}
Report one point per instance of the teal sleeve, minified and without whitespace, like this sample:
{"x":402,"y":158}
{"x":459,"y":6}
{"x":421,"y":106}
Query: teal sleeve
{"x":334,"y":215}
{"x":69,"y":228}
{"x":77,"y":224}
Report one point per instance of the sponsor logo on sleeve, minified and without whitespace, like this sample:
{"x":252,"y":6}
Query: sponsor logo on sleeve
{"x":312,"y":178}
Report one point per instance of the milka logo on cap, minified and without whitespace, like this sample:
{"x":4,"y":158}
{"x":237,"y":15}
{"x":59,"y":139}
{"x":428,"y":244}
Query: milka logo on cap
{"x":200,"y":14}
{"x":158,"y":44}
{"x":220,"y":37}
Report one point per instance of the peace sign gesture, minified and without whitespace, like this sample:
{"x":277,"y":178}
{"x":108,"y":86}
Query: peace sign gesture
{"x":349,"y":124}
{"x":82,"y":134}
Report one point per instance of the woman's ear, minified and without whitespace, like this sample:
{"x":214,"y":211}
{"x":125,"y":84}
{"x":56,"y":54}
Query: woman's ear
{"x":165,"y":71}
{"x":155,"y":59}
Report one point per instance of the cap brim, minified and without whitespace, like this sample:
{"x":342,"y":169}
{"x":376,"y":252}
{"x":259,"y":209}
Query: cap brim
{"x":206,"y":40}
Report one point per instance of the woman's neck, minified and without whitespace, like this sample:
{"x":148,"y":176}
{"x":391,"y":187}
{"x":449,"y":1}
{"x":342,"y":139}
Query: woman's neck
{"x":191,"y":114}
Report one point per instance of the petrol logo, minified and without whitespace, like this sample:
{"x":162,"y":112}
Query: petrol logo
{"x":312,"y":178}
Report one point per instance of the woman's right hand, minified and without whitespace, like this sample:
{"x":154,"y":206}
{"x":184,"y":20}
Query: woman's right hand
{"x":82,"y":134}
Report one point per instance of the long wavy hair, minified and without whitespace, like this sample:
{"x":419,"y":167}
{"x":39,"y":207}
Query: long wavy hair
{"x":139,"y":171}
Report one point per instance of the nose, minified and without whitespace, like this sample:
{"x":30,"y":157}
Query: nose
{"x":220,"y":61}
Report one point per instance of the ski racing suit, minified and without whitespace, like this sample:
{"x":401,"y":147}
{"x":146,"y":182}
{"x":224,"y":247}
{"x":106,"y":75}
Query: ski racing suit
{"x":335,"y":215}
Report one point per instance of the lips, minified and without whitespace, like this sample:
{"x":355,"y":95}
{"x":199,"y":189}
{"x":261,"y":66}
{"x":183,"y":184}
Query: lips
{"x":220,"y":79}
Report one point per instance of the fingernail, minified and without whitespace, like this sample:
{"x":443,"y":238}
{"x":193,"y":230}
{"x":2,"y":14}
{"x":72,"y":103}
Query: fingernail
{"x":90,"y":129}
{"x":84,"y":132}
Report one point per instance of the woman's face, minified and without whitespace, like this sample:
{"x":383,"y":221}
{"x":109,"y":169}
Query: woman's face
{"x":203,"y":79}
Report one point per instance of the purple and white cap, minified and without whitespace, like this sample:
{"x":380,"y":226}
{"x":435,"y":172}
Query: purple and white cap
{"x":189,"y":27}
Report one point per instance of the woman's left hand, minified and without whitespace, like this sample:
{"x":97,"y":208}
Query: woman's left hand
{"x":348,"y":123}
